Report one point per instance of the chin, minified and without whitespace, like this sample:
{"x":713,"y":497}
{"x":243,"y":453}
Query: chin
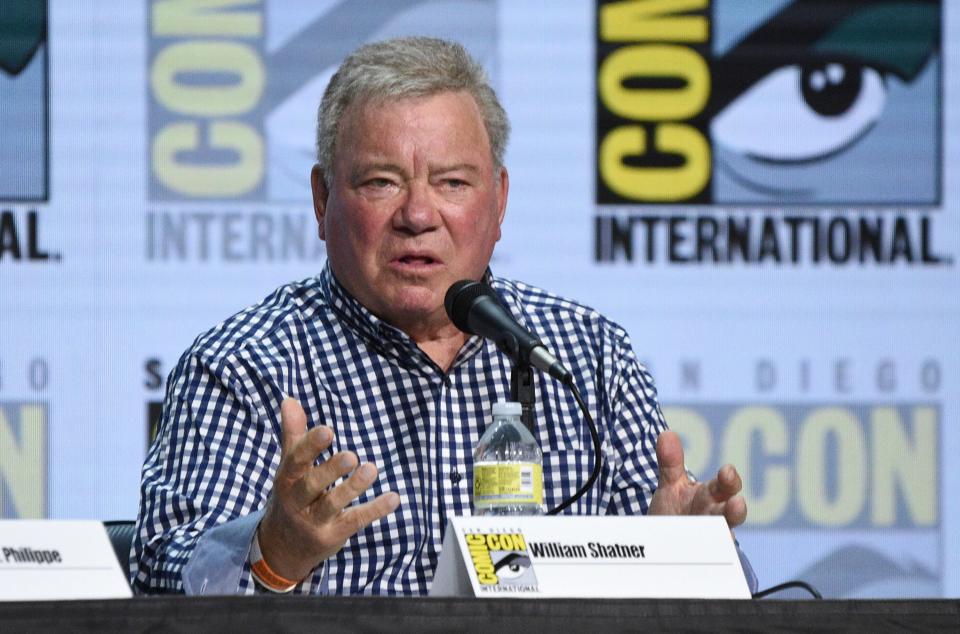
{"x":416,"y":301}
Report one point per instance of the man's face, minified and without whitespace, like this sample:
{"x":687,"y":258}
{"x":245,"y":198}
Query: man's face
{"x":414,"y":204}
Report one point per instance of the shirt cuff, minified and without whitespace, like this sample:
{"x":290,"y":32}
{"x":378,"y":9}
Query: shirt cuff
{"x":219,"y":557}
{"x":752,"y":582}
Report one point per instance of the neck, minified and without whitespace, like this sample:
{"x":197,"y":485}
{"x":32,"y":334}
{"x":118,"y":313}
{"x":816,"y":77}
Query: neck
{"x":442,"y":347}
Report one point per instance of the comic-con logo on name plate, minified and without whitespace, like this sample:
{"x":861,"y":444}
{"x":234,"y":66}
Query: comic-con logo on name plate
{"x":501,"y":562}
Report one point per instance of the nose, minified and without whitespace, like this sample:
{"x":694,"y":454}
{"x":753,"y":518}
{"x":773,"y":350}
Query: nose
{"x":418,"y":212}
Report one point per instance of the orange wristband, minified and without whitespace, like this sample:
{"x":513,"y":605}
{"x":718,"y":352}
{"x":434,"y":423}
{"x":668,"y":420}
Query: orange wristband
{"x":263,"y":574}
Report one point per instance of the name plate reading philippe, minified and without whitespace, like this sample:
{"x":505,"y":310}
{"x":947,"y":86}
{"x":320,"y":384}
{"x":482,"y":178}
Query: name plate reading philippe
{"x":58,"y":559}
{"x":589,"y":556}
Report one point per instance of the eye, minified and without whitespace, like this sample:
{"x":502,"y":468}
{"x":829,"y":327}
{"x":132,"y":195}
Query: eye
{"x":455,"y":184}
{"x":803,"y":113}
{"x":511,"y":571}
{"x":512,"y":566}
{"x":378,"y":187}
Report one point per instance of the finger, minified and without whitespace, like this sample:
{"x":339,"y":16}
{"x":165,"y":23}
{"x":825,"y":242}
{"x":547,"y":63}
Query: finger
{"x":356,"y":518}
{"x":735,"y":511}
{"x":347,"y":491}
{"x":703,"y":503}
{"x":726,"y":485}
{"x":317,"y":479}
{"x":670,"y":459}
{"x":293,"y":424}
{"x":301,"y":457}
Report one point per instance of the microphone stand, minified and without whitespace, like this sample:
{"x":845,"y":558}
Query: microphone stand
{"x":522,"y":391}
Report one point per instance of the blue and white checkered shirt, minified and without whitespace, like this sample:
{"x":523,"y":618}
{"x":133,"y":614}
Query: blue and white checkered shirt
{"x":218,"y":446}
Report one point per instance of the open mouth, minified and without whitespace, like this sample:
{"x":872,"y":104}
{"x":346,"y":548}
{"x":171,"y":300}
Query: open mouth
{"x":416,"y":260}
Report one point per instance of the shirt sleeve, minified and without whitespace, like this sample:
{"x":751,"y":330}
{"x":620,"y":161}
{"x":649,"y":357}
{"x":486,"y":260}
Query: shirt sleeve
{"x":211,"y":465}
{"x":221,"y":557}
{"x":752,"y":581}
{"x":634,"y":423}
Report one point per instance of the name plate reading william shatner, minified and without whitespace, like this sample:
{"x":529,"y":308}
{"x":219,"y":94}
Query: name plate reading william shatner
{"x":596,"y":557}
{"x":58,"y":559}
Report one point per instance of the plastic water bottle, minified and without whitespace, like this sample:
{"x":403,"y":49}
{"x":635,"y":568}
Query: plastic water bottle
{"x":507,"y":467}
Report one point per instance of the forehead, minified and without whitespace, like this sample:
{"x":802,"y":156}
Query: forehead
{"x":448,"y":121}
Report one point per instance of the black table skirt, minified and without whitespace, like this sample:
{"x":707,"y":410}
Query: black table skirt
{"x":379,"y":614}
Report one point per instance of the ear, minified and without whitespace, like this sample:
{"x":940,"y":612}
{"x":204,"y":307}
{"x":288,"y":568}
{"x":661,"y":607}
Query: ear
{"x":503,"y":188}
{"x":319,"y":187}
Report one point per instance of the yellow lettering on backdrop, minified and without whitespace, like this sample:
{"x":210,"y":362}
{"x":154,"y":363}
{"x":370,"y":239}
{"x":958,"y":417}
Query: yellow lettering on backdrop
{"x":744,"y":428}
{"x":904,"y":464}
{"x":206,"y":17}
{"x":658,"y":61}
{"x":659,"y":184}
{"x":227,"y":58}
{"x":22,"y":462}
{"x":637,"y":20}
{"x":208,"y":180}
{"x":813,"y":498}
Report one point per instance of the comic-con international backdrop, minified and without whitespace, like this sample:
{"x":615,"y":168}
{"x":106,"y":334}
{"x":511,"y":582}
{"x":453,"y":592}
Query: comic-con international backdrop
{"x":764,"y":192}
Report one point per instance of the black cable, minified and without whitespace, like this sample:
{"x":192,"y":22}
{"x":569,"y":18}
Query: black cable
{"x":789,"y":584}
{"x":597,"y":453}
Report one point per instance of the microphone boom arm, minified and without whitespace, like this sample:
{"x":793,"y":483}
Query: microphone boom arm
{"x":523,"y":391}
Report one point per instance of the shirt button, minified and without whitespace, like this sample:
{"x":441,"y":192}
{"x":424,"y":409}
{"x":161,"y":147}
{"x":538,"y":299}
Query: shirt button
{"x":455,"y":477}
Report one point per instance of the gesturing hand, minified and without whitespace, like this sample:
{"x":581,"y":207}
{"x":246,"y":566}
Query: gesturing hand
{"x":306,"y":521}
{"x":677,"y":495}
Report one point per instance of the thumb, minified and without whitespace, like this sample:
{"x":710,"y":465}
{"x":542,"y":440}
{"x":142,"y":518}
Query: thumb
{"x":293,"y":424}
{"x":670,"y":459}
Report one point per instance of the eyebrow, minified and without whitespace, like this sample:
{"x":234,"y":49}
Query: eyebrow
{"x":361,"y":170}
{"x":444,"y":169}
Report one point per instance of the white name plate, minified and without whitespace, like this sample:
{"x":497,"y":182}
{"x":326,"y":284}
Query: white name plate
{"x":589,"y":556}
{"x":58,"y":559}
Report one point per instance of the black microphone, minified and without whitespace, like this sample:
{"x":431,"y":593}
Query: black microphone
{"x":474,"y":308}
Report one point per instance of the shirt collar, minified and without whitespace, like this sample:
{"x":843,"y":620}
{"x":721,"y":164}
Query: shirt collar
{"x":350,"y":310}
{"x":381,"y":334}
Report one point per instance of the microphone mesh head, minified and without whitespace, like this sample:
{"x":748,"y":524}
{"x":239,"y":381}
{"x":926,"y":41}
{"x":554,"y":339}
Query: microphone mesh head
{"x":460,"y":297}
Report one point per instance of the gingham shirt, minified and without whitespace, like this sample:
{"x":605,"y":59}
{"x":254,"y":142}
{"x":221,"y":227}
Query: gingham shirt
{"x":218,"y":445}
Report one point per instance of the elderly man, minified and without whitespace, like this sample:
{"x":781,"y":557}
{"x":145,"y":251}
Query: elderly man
{"x":319,"y":440}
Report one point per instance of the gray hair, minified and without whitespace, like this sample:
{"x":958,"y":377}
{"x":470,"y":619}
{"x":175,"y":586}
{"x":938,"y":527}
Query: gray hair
{"x":407,"y":67}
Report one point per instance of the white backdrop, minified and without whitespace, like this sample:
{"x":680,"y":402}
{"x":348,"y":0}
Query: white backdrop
{"x":155,"y":180}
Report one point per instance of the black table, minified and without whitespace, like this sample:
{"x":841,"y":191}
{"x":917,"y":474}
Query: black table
{"x":380,"y":614}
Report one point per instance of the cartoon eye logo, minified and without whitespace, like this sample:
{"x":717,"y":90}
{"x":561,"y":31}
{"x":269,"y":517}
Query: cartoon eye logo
{"x":512,"y":566}
{"x":803,"y":113}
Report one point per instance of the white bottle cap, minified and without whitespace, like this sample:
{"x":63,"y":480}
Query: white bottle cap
{"x":507,"y":408}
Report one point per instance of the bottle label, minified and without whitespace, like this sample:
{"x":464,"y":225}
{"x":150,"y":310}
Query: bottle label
{"x":507,"y":483}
